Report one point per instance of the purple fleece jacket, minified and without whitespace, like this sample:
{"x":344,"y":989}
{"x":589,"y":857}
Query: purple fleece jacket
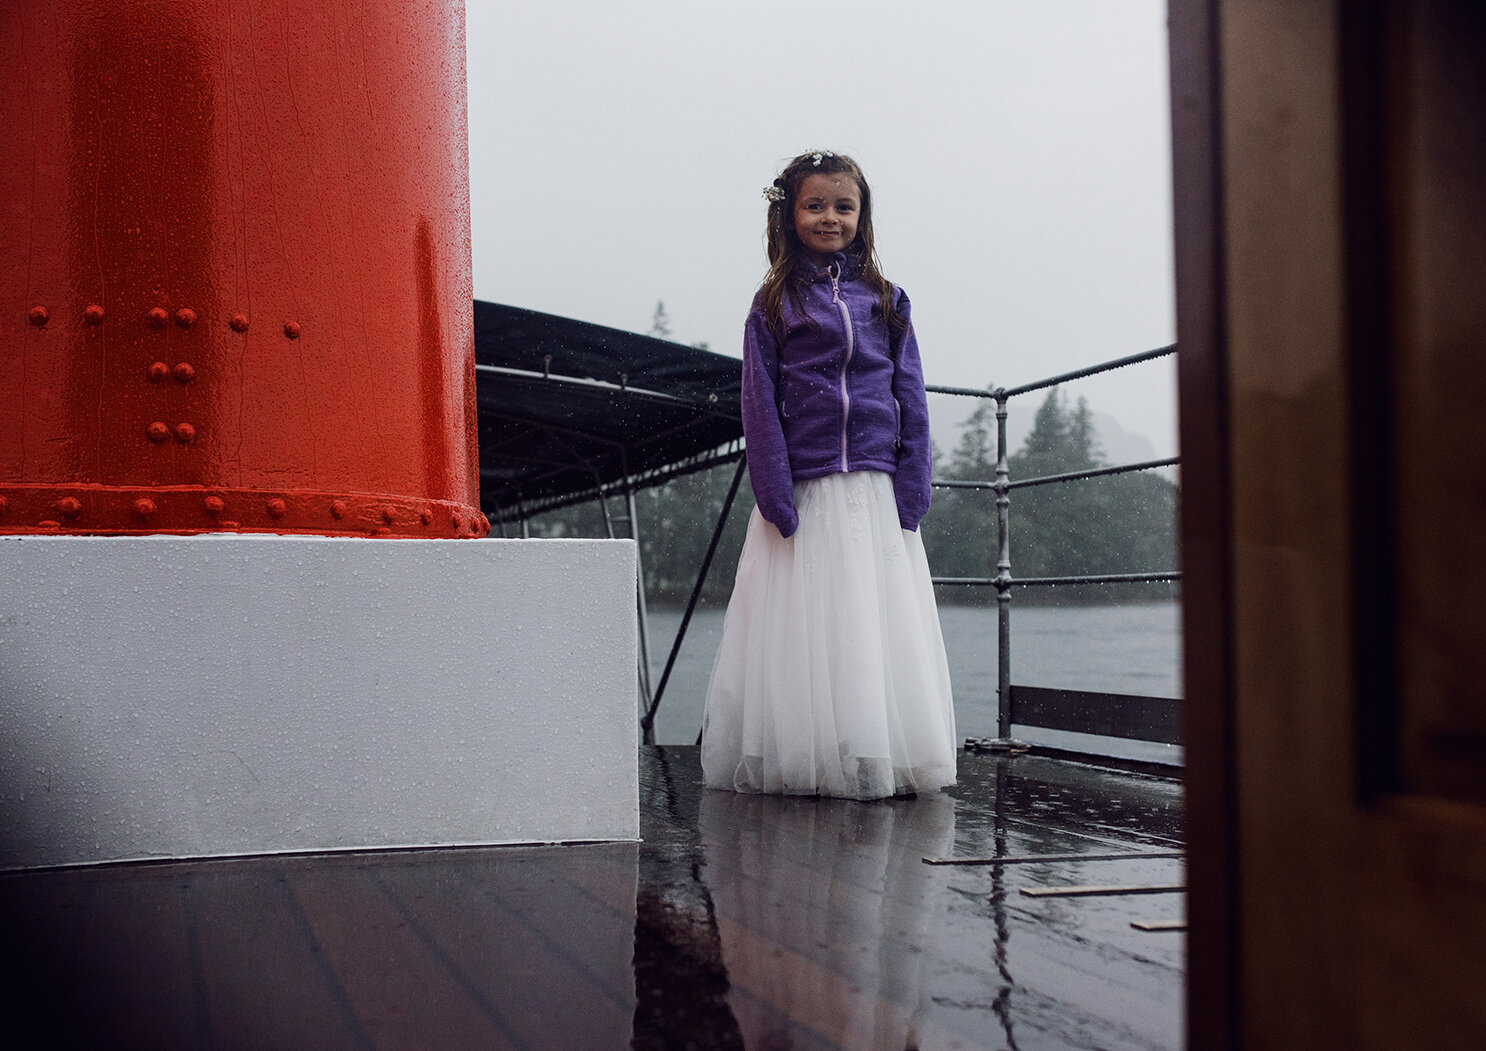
{"x":842,"y":392}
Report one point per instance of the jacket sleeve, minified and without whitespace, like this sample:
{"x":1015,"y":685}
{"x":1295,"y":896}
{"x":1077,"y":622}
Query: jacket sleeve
{"x":915,"y":450}
{"x":768,"y":458}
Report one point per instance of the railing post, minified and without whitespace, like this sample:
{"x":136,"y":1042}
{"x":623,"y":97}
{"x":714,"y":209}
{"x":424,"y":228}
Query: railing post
{"x":1003,"y":573}
{"x":1002,"y":486}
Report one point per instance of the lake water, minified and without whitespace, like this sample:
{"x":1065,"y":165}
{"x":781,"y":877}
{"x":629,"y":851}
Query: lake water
{"x":1116,"y":649}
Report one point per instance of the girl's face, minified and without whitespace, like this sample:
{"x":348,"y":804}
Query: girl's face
{"x":826,"y":211}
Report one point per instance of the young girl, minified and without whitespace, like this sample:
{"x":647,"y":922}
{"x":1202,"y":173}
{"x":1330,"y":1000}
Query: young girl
{"x":831,"y":677}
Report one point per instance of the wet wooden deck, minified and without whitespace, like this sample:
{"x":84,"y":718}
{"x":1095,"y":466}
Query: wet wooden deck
{"x":739,"y":922}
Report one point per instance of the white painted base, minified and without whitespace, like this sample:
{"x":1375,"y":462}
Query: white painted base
{"x":229,"y":694}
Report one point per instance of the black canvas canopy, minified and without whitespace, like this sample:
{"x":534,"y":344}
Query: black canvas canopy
{"x":568,"y":409}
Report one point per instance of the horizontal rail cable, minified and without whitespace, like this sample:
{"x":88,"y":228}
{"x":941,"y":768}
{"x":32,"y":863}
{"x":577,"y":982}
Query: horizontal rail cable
{"x":1103,"y":578}
{"x":1097,"y":472}
{"x":950,"y":483}
{"x":1053,"y":381}
{"x":1071,"y":476}
{"x":1092,"y":370}
{"x":969,"y":392}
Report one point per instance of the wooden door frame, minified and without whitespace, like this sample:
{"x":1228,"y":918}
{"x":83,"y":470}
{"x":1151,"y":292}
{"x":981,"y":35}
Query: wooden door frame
{"x":1213,"y":994}
{"x":1333,"y":901}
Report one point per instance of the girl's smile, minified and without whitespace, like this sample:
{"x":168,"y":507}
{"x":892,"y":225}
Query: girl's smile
{"x":826,"y":211}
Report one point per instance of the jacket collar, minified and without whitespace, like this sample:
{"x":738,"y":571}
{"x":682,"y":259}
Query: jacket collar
{"x":848,"y":266}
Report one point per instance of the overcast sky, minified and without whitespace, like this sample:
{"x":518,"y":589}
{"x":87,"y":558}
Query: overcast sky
{"x":1018,"y":153}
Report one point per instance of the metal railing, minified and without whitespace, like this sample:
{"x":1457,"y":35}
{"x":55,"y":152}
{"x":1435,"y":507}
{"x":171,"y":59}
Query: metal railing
{"x":1113,"y":714}
{"x":1046,"y":705}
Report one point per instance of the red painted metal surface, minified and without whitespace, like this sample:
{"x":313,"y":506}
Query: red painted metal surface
{"x":235,"y":269}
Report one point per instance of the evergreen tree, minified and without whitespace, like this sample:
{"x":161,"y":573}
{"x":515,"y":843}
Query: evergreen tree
{"x":959,"y":533}
{"x":1046,"y":443}
{"x":1113,"y":524}
{"x":975,"y":457}
{"x":676,"y":524}
{"x":1084,"y":437}
{"x":660,"y":324}
{"x":1059,"y":441}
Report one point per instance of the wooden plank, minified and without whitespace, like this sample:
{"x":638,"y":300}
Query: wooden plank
{"x":1095,"y":892}
{"x":265,"y":982}
{"x":404,"y":991}
{"x":1159,"y":925}
{"x":552,"y":960}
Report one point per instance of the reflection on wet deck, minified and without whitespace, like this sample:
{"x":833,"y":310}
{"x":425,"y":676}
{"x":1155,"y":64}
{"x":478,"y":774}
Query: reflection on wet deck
{"x":740,"y":921}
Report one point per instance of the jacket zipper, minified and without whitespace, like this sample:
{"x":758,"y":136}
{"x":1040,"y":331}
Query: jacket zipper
{"x":845,"y":361}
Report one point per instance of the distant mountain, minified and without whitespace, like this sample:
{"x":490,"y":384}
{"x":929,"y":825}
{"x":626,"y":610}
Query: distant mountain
{"x":1120,"y":445}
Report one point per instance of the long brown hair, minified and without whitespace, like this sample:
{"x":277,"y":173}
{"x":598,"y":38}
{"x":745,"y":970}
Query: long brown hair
{"x":787,"y":254}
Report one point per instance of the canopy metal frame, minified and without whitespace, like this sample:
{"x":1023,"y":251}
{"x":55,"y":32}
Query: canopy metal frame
{"x":571,"y":412}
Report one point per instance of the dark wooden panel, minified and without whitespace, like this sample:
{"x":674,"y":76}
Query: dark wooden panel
{"x":1106,"y":714}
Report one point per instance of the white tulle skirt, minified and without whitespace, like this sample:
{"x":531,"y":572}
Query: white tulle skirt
{"x":831,"y":677}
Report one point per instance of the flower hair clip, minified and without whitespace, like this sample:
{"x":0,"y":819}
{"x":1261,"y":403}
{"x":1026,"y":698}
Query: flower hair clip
{"x":774,"y":193}
{"x":820,"y":155}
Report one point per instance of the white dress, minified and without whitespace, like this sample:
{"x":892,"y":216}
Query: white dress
{"x":831,"y":677}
